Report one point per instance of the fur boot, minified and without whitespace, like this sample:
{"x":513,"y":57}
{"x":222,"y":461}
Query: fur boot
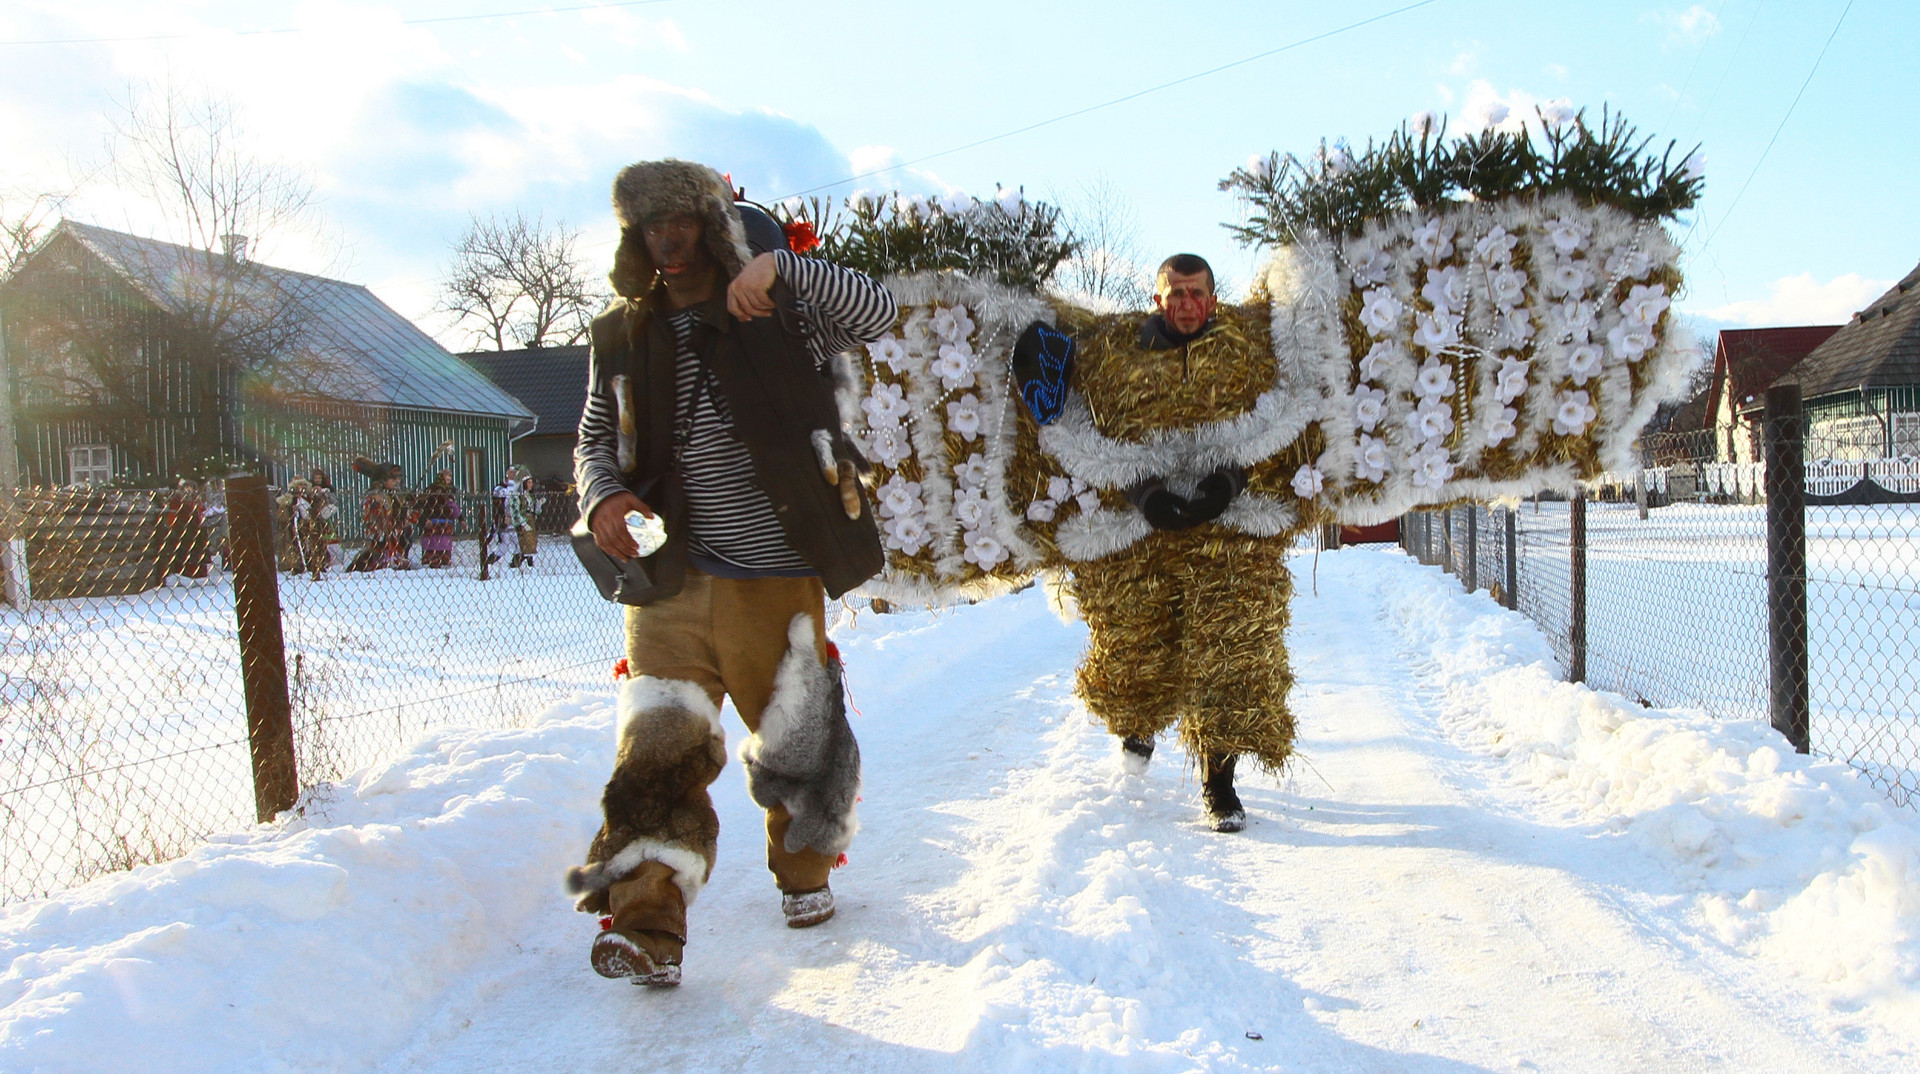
{"x":804,"y":756}
{"x":656,"y":803}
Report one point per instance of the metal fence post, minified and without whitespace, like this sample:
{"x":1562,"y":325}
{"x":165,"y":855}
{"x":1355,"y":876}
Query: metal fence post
{"x":1577,"y":627}
{"x":263,"y":658}
{"x":1513,"y":564}
{"x":1472,"y":569}
{"x":1787,"y":566}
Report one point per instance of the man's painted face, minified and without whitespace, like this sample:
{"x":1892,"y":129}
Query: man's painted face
{"x":675,"y":244}
{"x":1186,"y":300}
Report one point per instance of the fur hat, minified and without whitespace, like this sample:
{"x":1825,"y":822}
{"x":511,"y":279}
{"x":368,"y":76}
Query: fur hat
{"x":654,"y":188}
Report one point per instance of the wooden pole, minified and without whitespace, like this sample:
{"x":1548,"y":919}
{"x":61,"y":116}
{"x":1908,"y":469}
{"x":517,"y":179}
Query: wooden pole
{"x":263,"y":657}
{"x":1787,"y":567}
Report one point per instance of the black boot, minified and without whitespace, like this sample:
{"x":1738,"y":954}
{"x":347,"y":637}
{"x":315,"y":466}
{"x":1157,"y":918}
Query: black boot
{"x":1135,"y":752}
{"x":1217,"y":797}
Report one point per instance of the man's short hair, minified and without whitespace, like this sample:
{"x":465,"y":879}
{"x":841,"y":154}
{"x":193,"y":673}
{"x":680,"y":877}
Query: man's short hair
{"x":1185,"y":265}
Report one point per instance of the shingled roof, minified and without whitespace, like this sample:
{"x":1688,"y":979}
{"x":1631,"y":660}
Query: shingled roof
{"x":1879,"y":348}
{"x":551,"y":381}
{"x":1748,"y":361}
{"x":372,"y":355}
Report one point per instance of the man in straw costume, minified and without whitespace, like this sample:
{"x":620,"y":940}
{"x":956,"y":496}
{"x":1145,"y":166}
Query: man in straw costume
{"x":711,"y":404}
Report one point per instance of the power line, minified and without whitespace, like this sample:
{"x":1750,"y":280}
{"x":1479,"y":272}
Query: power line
{"x":1108,"y":104}
{"x":1783,"y":125}
{"x":305,"y":29}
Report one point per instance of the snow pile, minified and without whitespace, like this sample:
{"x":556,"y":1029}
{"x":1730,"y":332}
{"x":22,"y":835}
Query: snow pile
{"x":1790,"y":858}
{"x":316,"y":947}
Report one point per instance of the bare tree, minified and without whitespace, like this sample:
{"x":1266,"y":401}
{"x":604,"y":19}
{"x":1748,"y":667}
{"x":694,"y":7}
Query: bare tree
{"x":24,"y":221}
{"x":1108,"y":271}
{"x":518,"y":280}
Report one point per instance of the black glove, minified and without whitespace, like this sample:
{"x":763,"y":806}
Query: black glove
{"x":1215,"y":492}
{"x":1165,"y":510}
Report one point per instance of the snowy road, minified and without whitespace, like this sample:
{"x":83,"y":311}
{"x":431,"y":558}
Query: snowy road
{"x":1473,"y":868}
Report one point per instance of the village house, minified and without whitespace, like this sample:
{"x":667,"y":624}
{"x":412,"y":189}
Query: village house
{"x":552,"y":382}
{"x":1861,"y":387}
{"x":1746,"y":362}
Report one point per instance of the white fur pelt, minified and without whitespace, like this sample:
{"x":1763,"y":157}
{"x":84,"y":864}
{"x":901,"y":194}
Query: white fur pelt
{"x":804,"y":756}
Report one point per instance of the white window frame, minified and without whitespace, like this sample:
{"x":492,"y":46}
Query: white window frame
{"x":94,"y":467}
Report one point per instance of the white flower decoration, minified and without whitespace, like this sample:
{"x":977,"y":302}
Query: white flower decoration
{"x":1011,"y":201}
{"x":898,"y":497}
{"x":1434,"y":240}
{"x":1558,"y":112}
{"x":1696,"y":165}
{"x":1500,"y":425}
{"x":888,"y":351}
{"x":1380,"y":311}
{"x":1509,"y":286}
{"x":1496,"y":246}
{"x":984,"y":550}
{"x":1568,"y":233}
{"x":1371,"y":271}
{"x":1515,"y":324}
{"x":1434,"y":381}
{"x":1436,"y":331}
{"x":972,"y":474}
{"x":1570,"y":277}
{"x":1431,"y":466}
{"x":888,"y":444}
{"x":1510,"y":382}
{"x":1631,"y":341}
{"x":1446,"y":289}
{"x":1308,"y":481}
{"x":1260,"y":166}
{"x":1060,"y":488}
{"x":1431,"y":420}
{"x":970,"y":508}
{"x":955,"y":365}
{"x":1572,"y":411}
{"x":956,"y":202}
{"x":1644,"y":305}
{"x":963,"y":416}
{"x":951,"y":323}
{"x":1576,"y":319}
{"x":1628,"y":263}
{"x":1374,"y":365}
{"x":1042,"y":510}
{"x":1089,"y":501}
{"x":1369,"y":407}
{"x":1583,"y":362}
{"x":908,"y":533}
{"x":1370,"y":461}
{"x":886,"y":404}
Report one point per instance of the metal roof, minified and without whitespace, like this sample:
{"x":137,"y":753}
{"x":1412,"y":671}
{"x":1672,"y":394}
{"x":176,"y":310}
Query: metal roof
{"x":367,"y":352}
{"x":1879,"y":348}
{"x":550,"y":380}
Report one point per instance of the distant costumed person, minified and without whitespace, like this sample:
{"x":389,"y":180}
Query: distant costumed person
{"x":711,"y":408}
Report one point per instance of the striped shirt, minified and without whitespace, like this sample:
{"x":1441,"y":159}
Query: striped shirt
{"x":732,"y":528}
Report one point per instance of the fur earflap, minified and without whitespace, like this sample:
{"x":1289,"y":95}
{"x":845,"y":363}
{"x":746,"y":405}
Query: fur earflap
{"x":655,"y":188}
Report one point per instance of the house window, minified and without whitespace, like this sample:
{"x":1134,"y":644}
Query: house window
{"x":89,"y":464}
{"x":475,"y":467}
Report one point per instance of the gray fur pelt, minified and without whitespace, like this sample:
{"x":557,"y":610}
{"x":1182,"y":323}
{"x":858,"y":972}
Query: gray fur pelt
{"x":654,"y":188}
{"x":804,"y":756}
{"x":656,"y":803}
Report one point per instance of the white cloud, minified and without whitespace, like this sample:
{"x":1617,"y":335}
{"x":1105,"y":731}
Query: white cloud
{"x":868,"y":158}
{"x":1801,"y":300}
{"x":1466,"y":62}
{"x":1689,"y":27}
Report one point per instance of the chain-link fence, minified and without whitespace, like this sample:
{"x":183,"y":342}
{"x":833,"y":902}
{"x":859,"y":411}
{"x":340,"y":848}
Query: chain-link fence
{"x":1675,"y":604}
{"x":124,"y":734}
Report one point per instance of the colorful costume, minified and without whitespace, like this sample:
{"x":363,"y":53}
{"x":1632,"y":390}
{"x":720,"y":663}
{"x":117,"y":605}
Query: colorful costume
{"x":383,"y":518}
{"x":438,"y":508}
{"x":520,"y":516}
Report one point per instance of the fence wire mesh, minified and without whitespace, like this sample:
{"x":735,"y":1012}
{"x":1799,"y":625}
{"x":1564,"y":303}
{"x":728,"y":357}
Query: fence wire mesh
{"x":1676,"y":603}
{"x":123,"y":726}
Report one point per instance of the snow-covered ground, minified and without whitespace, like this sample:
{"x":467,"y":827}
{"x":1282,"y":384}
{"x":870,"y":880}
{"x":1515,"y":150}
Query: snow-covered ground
{"x":1474,"y":866}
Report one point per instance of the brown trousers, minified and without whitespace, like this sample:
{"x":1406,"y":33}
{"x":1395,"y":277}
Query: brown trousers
{"x":726,"y":635}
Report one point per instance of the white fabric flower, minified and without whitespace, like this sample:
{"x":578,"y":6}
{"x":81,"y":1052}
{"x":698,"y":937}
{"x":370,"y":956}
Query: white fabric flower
{"x":1644,"y":304}
{"x":1558,"y":112}
{"x":1042,"y":510}
{"x":1060,"y":488}
{"x":963,"y":416}
{"x":972,"y":474}
{"x":1011,"y":202}
{"x":1369,"y":407}
{"x":956,"y":202}
{"x":970,"y":508}
{"x":1370,"y":461}
{"x":1423,"y":123}
{"x":984,"y":550}
{"x":1434,"y":240}
{"x":909,"y":206}
{"x":1515,"y":324}
{"x":888,"y":351}
{"x":1500,"y":425}
{"x":1570,"y":277}
{"x":1436,"y":331}
{"x":955,"y":365}
{"x":908,"y":533}
{"x":1089,"y":501}
{"x":1510,"y":382}
{"x":1374,"y":365}
{"x":1568,"y":233}
{"x":886,"y":404}
{"x":1628,"y":263}
{"x":1496,"y":246}
{"x":1575,"y":319}
{"x":1583,"y":362}
{"x":1631,"y":341}
{"x":897,"y":497}
{"x":1446,"y":289}
{"x":1260,"y":166}
{"x":1380,"y":311}
{"x":951,"y":323}
{"x":1431,"y":466}
{"x":1509,"y":286}
{"x":1371,"y":271}
{"x":1434,"y":381}
{"x":1431,"y":420}
{"x":1572,"y":411}
{"x":888,"y":444}
{"x":1308,"y":481}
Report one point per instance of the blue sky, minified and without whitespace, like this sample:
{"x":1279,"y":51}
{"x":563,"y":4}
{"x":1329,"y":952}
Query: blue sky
{"x":408,"y":128}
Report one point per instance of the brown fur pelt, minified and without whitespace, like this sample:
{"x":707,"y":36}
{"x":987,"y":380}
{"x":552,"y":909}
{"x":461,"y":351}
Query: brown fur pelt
{"x":654,"y":188}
